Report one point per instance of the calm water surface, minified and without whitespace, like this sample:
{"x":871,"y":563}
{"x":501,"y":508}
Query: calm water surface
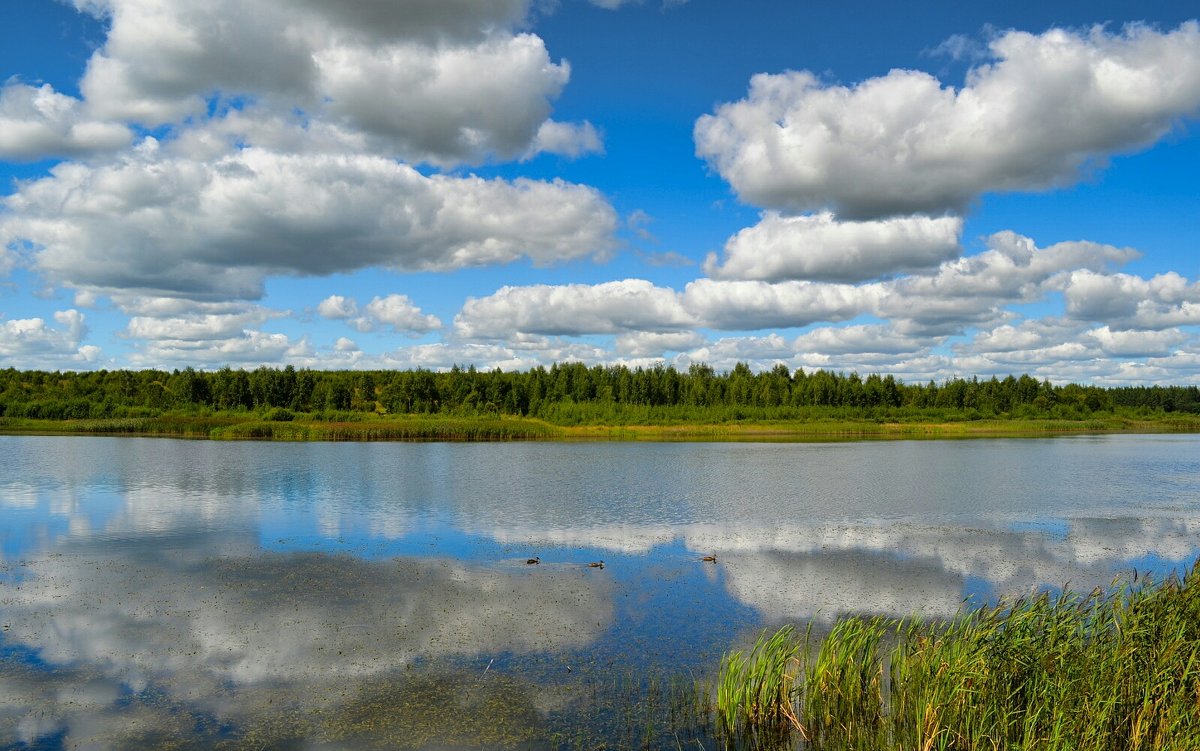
{"x":169,"y":593}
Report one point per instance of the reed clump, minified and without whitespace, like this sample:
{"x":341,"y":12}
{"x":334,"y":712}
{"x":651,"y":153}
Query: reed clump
{"x":756,"y":690}
{"x":1113,"y":669}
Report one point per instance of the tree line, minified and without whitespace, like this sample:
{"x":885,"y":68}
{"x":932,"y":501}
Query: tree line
{"x":564,"y":392}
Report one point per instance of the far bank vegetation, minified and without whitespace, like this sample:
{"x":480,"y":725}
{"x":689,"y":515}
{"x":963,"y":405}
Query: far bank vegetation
{"x":469,"y":404}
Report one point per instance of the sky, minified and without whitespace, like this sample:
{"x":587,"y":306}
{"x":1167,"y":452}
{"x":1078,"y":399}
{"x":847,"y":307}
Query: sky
{"x":926,"y":189}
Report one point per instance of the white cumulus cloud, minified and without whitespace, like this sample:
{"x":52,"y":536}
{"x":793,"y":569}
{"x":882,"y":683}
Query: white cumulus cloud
{"x":445,"y":106}
{"x":1065,"y":349}
{"x":917,"y":312}
{"x":1134,"y":343}
{"x":573,"y":309}
{"x":749,"y":305}
{"x":197,"y":327}
{"x":1026,"y":335}
{"x":34,"y":342}
{"x":656,"y":344}
{"x":975,"y":289}
{"x":1163,"y":301}
{"x":36,"y":122}
{"x":250,"y":348}
{"x":177,"y":332}
{"x":861,"y":339}
{"x":440,"y":81}
{"x":819,"y":247}
{"x":1044,"y":109}
{"x":159,"y":224}
{"x":395,"y":311}
{"x":399,"y":312}
{"x":338,"y":307}
{"x":571,"y":140}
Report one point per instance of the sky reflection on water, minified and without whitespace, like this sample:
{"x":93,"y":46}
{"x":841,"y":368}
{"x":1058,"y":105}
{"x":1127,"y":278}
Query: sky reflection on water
{"x":152,"y":586}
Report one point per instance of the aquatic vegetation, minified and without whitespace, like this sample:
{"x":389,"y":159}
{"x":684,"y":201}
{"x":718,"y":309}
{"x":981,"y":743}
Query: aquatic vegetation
{"x":756,"y":690}
{"x":635,"y":711}
{"x":1116,"y":669}
{"x":406,"y":711}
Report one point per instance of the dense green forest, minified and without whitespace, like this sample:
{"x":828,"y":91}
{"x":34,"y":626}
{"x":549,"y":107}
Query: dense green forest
{"x":569,"y":394}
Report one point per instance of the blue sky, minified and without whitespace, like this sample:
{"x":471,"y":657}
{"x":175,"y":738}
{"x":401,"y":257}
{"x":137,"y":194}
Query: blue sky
{"x":924,"y":189}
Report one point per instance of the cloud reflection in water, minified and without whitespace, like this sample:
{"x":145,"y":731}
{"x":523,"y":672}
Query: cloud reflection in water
{"x":242,"y":628}
{"x":147,"y":604}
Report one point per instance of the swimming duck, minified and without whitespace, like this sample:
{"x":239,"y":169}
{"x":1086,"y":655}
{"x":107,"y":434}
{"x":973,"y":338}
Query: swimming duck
{"x":535,"y":559}
{"x":709,"y":558}
{"x":596,"y":564}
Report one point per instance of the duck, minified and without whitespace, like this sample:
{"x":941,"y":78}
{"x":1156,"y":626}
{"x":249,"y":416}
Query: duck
{"x":596,"y":564}
{"x":534,"y":560}
{"x":709,"y":558}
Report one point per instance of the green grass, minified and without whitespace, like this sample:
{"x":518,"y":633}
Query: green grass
{"x":252,"y":426}
{"x":665,"y":424}
{"x":1116,"y":669}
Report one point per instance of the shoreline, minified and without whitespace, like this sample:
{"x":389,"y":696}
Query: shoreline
{"x":511,"y":428}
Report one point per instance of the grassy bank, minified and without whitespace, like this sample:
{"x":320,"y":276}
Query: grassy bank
{"x":850,"y":429}
{"x":281,"y":425}
{"x":248,"y":426}
{"x":1110,"y":670}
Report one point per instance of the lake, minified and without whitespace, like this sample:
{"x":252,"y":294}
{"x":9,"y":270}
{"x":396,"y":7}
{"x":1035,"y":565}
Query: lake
{"x":165,"y":593}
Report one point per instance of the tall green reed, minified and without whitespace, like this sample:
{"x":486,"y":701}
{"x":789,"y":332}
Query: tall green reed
{"x":1113,"y":669}
{"x":756,"y":690}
